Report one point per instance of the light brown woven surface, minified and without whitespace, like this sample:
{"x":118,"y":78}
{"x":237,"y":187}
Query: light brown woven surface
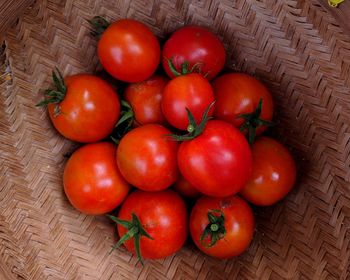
{"x":295,"y":47}
{"x":10,"y":10}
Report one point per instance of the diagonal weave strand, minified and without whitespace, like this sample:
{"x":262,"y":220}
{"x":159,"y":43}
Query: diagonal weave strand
{"x":296,"y":47}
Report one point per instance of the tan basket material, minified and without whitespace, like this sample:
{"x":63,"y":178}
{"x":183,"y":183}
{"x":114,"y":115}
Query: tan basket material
{"x":10,"y":10}
{"x":296,"y":47}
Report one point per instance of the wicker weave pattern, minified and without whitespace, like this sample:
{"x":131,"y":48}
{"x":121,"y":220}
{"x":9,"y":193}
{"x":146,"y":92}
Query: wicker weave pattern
{"x":10,"y":10}
{"x":295,"y":47}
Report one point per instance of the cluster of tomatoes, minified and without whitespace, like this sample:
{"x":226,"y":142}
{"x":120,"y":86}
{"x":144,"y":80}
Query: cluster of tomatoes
{"x":189,"y":130}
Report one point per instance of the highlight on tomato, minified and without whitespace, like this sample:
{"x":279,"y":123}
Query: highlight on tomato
{"x":274,"y":173}
{"x":222,"y":227}
{"x":83,"y":107}
{"x":92,"y":181}
{"x":152,"y":225}
{"x":127,"y":49}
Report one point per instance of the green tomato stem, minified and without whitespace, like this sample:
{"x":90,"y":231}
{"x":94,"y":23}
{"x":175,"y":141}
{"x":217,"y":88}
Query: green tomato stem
{"x":135,"y":232}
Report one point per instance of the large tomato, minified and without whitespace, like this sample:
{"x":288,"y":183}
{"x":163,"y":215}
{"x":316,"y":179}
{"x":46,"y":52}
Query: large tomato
{"x":218,"y":162}
{"x":92,"y":181}
{"x":222,"y":227}
{"x":190,"y":91}
{"x":237,"y":94}
{"x":147,"y":158}
{"x":274,"y":173}
{"x":157,"y":223}
{"x":83,"y":107}
{"x":144,"y":99}
{"x":129,"y":51}
{"x":198,"y":47}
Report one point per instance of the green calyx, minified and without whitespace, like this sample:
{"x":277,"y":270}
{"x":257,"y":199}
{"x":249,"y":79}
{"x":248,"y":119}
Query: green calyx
{"x":185,"y":68}
{"x":215,"y":229}
{"x":252,"y":121}
{"x":56,"y":94}
{"x":125,"y":122}
{"x":193,"y":129}
{"x":135,"y":231}
{"x":99,"y":25}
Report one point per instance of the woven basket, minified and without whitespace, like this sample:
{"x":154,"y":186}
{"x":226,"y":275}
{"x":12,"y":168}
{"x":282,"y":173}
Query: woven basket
{"x":299,"y":49}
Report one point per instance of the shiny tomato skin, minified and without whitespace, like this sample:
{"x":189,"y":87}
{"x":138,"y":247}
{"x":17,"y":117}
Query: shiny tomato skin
{"x":237,"y":94}
{"x":89,"y":111}
{"x":185,"y":189}
{"x":145,"y":98}
{"x":274,"y":173}
{"x":92,"y":181}
{"x":218,"y":162}
{"x":239,"y":224}
{"x":196,"y":45}
{"x":129,"y":51}
{"x":164,"y":217}
{"x":190,"y":91}
{"x":147,"y":158}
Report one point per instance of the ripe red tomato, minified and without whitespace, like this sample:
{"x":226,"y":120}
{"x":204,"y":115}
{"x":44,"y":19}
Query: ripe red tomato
{"x":147,"y":158}
{"x":129,"y":51}
{"x":196,"y":45}
{"x":184,"y":188}
{"x":222,"y":227}
{"x":238,"y":94}
{"x":218,"y":162}
{"x":92,"y":181}
{"x":160,"y":215}
{"x":88,"y":111}
{"x":145,"y":98}
{"x":190,"y":91}
{"x":274,"y":173}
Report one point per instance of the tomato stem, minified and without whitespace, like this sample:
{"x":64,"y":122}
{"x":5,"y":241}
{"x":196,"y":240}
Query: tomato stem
{"x":253,"y":121}
{"x":135,"y":231}
{"x":172,"y":67}
{"x":125,"y":122}
{"x":127,"y":114}
{"x":193,"y":128}
{"x":190,"y":128}
{"x":215,"y":229}
{"x":99,"y":25}
{"x":185,"y":68}
{"x":56,"y":94}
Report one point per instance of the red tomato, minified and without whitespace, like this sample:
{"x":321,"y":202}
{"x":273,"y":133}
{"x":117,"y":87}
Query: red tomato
{"x":190,"y":91}
{"x":89,"y":110}
{"x":238,"y":94}
{"x":92,"y":181}
{"x":197,"y":46}
{"x":145,"y":98}
{"x":229,"y":230}
{"x":184,"y":188}
{"x":162,"y":215}
{"x":274,"y":173}
{"x":129,"y":51}
{"x":218,"y":162}
{"x":147,"y":158}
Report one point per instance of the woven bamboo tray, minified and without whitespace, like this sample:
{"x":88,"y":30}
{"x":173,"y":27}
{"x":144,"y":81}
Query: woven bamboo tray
{"x":300,"y":49}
